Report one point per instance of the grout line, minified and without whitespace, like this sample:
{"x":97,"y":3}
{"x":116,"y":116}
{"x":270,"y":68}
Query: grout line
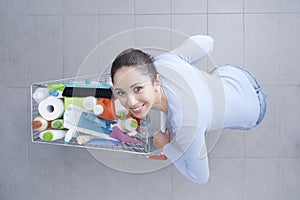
{"x":62,"y":39}
{"x":134,"y":22}
{"x":27,"y":83}
{"x":244,"y":137}
{"x":207,"y":33}
{"x":280,"y":83}
{"x":202,"y":13}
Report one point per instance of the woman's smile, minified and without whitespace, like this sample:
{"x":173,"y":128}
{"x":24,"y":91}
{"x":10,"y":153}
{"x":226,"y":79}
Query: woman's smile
{"x":138,"y":109}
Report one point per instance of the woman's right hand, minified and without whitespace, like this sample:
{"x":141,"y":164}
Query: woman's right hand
{"x":160,"y":139}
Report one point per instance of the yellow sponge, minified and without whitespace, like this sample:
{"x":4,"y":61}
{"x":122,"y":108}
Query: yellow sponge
{"x":77,"y":101}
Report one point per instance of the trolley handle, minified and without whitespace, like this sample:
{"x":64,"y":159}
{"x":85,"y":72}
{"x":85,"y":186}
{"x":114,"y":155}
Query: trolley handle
{"x":158,"y":157}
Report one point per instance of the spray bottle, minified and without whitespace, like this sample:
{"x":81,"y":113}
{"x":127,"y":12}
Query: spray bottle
{"x":71,"y":133}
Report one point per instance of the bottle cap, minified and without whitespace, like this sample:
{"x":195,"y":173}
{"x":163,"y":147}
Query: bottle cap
{"x":98,"y":109}
{"x":122,"y":115}
{"x":47,"y":136}
{"x":87,"y":81}
{"x":133,"y":124}
{"x":36,"y":124}
{"x":57,"y":124}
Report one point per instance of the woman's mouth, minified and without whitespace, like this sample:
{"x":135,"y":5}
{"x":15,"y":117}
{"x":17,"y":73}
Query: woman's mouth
{"x":138,"y":109}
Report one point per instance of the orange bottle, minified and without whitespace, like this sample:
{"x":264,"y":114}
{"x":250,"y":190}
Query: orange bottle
{"x":107,"y":111}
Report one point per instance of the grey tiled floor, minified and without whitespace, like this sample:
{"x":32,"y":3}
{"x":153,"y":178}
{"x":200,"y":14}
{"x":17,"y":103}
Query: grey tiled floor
{"x":49,"y":39}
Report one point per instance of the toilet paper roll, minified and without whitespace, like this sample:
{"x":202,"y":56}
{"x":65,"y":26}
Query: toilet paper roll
{"x":51,"y":108}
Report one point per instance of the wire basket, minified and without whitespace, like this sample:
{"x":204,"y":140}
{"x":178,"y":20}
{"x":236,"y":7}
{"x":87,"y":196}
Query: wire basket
{"x":144,"y":135}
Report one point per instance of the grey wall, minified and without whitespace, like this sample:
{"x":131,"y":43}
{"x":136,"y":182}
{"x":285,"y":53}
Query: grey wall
{"x":48,"y":39}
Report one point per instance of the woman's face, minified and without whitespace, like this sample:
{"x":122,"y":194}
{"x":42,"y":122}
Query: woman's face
{"x":135,"y":90}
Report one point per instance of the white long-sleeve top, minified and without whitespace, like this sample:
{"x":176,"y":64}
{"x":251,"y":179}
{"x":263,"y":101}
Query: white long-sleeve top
{"x":199,"y":102}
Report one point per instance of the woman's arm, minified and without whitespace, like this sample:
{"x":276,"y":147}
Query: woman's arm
{"x":193,"y":162}
{"x":194,"y":49}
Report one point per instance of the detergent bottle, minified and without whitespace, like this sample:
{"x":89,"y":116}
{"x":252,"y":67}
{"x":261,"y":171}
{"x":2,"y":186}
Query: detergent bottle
{"x":40,"y":124}
{"x":128,"y":125}
{"x":119,"y":108}
{"x":89,"y":103}
{"x":71,"y":133}
{"x":57,"y":124}
{"x":105,"y":109}
{"x":51,"y":135}
{"x":40,"y":94}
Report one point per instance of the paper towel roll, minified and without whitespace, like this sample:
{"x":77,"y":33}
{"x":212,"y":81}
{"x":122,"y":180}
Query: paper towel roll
{"x":51,"y":108}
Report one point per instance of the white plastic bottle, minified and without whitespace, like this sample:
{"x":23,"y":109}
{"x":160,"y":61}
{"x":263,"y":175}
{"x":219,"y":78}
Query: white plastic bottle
{"x":40,"y":94}
{"x":83,"y":138}
{"x":128,"y":125}
{"x":51,"y":135}
{"x":98,"y":109}
{"x":71,"y":133}
{"x":40,"y":124}
{"x":119,"y":108}
{"x":57,"y":124}
{"x":89,"y":103}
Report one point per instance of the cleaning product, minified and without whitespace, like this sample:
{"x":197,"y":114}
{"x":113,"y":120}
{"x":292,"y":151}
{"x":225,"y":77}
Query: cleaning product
{"x":119,"y":108}
{"x":40,"y":124}
{"x":84,"y":92}
{"x":102,"y":142}
{"x":105,"y":109}
{"x":56,"y":93}
{"x":89,"y":103}
{"x":57,"y":124}
{"x":98,"y":110}
{"x":56,"y":86}
{"x":128,"y":125}
{"x":56,"y":89}
{"x":86,"y":122}
{"x":51,"y":135}
{"x":71,"y":133}
{"x":119,"y":135}
{"x":87,"y":88}
{"x":40,"y":94}
{"x":87,"y":83}
{"x":83,"y":138}
{"x":77,"y":101}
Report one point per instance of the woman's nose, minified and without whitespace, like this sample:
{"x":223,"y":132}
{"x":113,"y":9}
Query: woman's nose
{"x":131,"y":100}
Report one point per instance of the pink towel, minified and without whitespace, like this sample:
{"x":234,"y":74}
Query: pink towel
{"x":119,"y":135}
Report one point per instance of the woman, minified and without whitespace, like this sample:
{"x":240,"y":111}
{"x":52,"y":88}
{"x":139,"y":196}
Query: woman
{"x":194,"y":102}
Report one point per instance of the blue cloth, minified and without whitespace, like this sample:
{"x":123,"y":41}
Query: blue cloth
{"x":103,"y":142}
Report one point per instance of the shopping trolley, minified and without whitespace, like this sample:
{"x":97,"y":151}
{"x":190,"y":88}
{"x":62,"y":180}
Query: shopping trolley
{"x":146,"y":128}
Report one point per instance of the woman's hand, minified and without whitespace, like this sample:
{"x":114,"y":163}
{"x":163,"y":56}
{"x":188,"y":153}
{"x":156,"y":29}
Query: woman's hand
{"x":160,"y":139}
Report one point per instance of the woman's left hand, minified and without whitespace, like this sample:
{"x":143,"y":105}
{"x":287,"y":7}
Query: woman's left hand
{"x":160,"y":139}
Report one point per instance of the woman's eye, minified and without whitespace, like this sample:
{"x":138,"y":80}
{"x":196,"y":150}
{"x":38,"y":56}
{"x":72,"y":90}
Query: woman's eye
{"x":137,"y":89}
{"x":120,"y":93}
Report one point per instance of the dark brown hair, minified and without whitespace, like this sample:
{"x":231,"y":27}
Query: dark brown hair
{"x":134,"y":58}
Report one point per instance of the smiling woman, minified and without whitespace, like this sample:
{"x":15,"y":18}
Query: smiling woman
{"x":194,"y":101}
{"x":137,"y":83}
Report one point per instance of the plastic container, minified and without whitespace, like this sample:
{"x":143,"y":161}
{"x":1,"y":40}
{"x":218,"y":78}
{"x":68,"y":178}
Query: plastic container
{"x":57,"y":124}
{"x":89,"y":103}
{"x":105,"y":109}
{"x":51,"y":135}
{"x":40,"y":124}
{"x":128,"y":125}
{"x":40,"y":94}
{"x":71,"y":133}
